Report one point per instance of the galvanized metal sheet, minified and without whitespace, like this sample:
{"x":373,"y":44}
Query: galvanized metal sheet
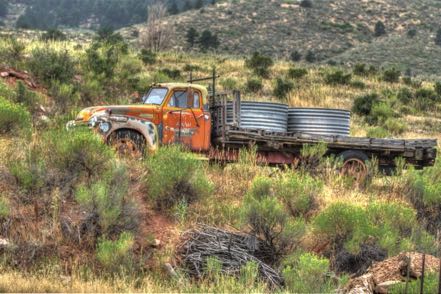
{"x":261,"y":116}
{"x":319,"y":121}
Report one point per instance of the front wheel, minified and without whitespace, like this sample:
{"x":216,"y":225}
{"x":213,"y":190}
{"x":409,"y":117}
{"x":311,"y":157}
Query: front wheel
{"x":128,"y":143}
{"x":355,"y":165}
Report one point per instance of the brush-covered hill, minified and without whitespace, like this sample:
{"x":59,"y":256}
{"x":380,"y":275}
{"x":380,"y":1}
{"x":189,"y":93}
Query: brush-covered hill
{"x":76,"y":217}
{"x":333,"y":31}
{"x":49,"y":14}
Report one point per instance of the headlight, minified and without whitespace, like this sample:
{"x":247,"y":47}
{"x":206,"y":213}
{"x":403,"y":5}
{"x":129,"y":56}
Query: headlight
{"x":92,"y":122}
{"x":104,"y":127}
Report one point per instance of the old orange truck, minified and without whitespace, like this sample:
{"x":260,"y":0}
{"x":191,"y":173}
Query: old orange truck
{"x":185,"y":113}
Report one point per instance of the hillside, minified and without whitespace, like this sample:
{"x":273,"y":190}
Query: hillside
{"x":49,"y":14}
{"x":77,"y":217}
{"x":335,"y":31}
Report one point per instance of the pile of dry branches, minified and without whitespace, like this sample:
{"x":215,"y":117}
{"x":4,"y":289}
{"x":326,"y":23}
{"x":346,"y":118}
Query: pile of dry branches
{"x":233,"y":250}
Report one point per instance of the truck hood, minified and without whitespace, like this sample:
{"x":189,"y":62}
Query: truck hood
{"x":141,"y":111}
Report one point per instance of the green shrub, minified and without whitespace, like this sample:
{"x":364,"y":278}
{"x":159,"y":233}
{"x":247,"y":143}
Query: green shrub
{"x":254,"y":85}
{"x":5,"y":208}
{"x":64,"y":96}
{"x":127,"y":72}
{"x":391,"y":75}
{"x":380,"y":113}
{"x":438,"y":88}
{"x":310,"y":56}
{"x":260,"y":64}
{"x":405,"y":95}
{"x":425,"y":99}
{"x":167,"y":185}
{"x":395,"y":126}
{"x":360,"y":70}
{"x":25,"y":97}
{"x":377,"y":132}
{"x":78,"y":152}
{"x":13,"y":52}
{"x":424,"y":192}
{"x":393,"y":226}
{"x":282,"y":88}
{"x":30,"y":171}
{"x":298,"y":192}
{"x":104,"y":54}
{"x":6,"y":91}
{"x":363,"y":104}
{"x":296,"y":56}
{"x":173,"y":74}
{"x":268,"y":219}
{"x":208,"y":40}
{"x":425,"y":186}
{"x":114,"y":254}
{"x":13,"y":118}
{"x":229,"y":84}
{"x":312,"y":156}
{"x":338,"y":77}
{"x":148,"y":57}
{"x":105,"y":197}
{"x":341,"y":222}
{"x":357,"y":84}
{"x":297,"y":73}
{"x":48,"y":64}
{"x":411,"y":32}
{"x":380,"y":29}
{"x":431,"y":284}
{"x":306,"y":3}
{"x":310,"y":274}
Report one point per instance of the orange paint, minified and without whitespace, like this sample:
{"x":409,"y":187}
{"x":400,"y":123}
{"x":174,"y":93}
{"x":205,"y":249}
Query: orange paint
{"x":181,"y":115}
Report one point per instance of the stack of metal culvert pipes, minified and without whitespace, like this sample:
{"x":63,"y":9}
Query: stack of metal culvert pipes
{"x":319,"y":121}
{"x":277,"y":117}
{"x":266,"y":116}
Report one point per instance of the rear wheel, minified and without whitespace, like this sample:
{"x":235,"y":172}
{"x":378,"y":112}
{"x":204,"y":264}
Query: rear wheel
{"x":355,"y":165}
{"x":128,"y":143}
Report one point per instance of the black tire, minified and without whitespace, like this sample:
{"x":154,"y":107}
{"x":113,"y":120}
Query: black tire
{"x":128,"y":143}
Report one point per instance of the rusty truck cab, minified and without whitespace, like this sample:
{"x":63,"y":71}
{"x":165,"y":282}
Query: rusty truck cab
{"x":183,"y":116}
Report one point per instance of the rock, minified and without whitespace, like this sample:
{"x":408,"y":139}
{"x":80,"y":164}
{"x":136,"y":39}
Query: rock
{"x":382,"y":275}
{"x":170,"y":270}
{"x":4,"y":74}
{"x":361,"y":285}
{"x":156,"y":243}
{"x":382,"y":288}
{"x":4,"y":243}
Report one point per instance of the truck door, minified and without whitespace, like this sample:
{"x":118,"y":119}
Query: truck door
{"x":184,"y":120}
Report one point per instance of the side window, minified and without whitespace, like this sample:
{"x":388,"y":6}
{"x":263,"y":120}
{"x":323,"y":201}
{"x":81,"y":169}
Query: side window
{"x":197,"y":100}
{"x":178,"y":99}
{"x":182,"y":99}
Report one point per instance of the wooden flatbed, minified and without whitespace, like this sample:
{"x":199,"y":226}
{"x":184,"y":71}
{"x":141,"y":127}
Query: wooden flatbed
{"x":285,"y":147}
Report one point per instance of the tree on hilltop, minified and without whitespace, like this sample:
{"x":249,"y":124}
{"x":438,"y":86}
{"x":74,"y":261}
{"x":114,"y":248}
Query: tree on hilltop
{"x":192,"y":36}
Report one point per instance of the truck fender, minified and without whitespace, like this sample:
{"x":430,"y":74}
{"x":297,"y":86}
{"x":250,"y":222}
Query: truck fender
{"x":146,"y":128}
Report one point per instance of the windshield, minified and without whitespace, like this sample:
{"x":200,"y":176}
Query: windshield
{"x":155,"y":96}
